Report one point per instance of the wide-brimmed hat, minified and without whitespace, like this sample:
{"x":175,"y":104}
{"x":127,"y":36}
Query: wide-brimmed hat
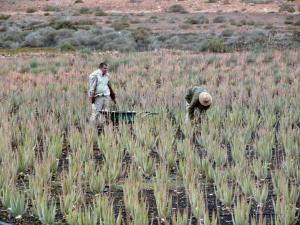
{"x":205,"y":98}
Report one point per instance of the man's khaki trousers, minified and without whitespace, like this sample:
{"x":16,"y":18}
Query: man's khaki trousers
{"x":101,"y":103}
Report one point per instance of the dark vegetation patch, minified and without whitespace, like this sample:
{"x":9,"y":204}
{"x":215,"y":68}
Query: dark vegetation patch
{"x":286,"y":8}
{"x":197,"y":20}
{"x":99,"y":12}
{"x":4,"y":16}
{"x":177,"y":9}
{"x":31,"y":10}
{"x":219,"y":19}
{"x":50,"y":8}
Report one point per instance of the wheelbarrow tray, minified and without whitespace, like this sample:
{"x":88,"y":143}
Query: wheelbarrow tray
{"x":125,"y":116}
{"x":117,"y":116}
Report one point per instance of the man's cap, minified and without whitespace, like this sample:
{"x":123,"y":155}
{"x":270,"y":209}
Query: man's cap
{"x":205,"y":98}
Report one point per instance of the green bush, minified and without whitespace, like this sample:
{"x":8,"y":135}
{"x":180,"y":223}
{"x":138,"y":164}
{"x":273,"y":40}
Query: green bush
{"x":214,"y":45}
{"x":251,"y":58}
{"x":268,"y":58}
{"x":31,"y":10}
{"x":286,"y":7}
{"x":269,"y":26}
{"x":4,"y":17}
{"x":177,"y":9}
{"x":120,"y":25}
{"x":219,"y":19}
{"x":184,"y":26}
{"x":67,"y":47}
{"x":297,"y":23}
{"x":100,"y":12}
{"x":78,"y":1}
{"x":232,"y":22}
{"x":227,"y":33}
{"x":197,"y":20}
{"x":84,"y":10}
{"x":231,"y":60}
{"x":288,"y":22}
{"x":85,"y":22}
{"x":62,"y":24}
{"x":50,"y":8}
{"x":212,"y":59}
{"x":140,"y":34}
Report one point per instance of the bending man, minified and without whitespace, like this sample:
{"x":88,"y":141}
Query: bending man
{"x":196,"y":98}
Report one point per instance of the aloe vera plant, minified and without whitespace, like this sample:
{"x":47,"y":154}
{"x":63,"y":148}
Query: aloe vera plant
{"x":180,"y":218}
{"x":260,"y":194}
{"x":45,"y":210}
{"x":18,"y":204}
{"x":97,"y":182}
{"x":225,"y":193}
{"x":260,"y":169}
{"x":196,"y":198}
{"x":162,"y":198}
{"x":241,"y":212}
{"x":285,"y":213}
{"x":103,"y":208}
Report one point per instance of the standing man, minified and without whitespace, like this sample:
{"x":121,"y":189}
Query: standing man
{"x":100,"y":90}
{"x":196,"y":98}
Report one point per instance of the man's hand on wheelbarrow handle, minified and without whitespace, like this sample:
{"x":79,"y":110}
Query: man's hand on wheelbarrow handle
{"x":92,"y":99}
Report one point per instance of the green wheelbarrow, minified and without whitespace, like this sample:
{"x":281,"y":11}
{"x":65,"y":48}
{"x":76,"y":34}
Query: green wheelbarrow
{"x":124,"y":116}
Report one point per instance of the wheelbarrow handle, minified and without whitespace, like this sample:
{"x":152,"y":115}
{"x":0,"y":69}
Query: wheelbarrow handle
{"x":146,"y":114}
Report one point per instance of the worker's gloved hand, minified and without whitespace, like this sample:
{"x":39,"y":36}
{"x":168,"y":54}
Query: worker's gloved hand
{"x":92,"y":100}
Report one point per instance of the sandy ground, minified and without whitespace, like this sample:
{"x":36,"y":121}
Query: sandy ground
{"x":263,"y":14}
{"x":146,"y":6}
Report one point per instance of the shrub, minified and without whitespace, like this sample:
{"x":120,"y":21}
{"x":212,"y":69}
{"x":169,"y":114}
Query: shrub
{"x":78,"y":1}
{"x":197,"y":20}
{"x":231,"y":60}
{"x":297,"y":23}
{"x":140,"y":34}
{"x":251,"y":58}
{"x":31,"y":10}
{"x":269,"y":26}
{"x":84,"y":10}
{"x":215,"y":45}
{"x":227,"y":33}
{"x":4,"y":17}
{"x":100,"y":12}
{"x":191,"y":21}
{"x":288,"y":21}
{"x":13,"y":35}
{"x":50,"y":8}
{"x":120,"y":25}
{"x":250,"y":23}
{"x":44,"y":37}
{"x":286,"y":7}
{"x":67,"y":47}
{"x":85,"y":22}
{"x":177,"y":9}
{"x":184,"y":26}
{"x":219,"y":19}
{"x":62,"y":24}
{"x":212,"y":59}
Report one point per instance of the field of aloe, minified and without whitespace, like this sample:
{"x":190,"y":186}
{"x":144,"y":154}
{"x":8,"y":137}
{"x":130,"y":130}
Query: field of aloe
{"x":241,"y":166}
